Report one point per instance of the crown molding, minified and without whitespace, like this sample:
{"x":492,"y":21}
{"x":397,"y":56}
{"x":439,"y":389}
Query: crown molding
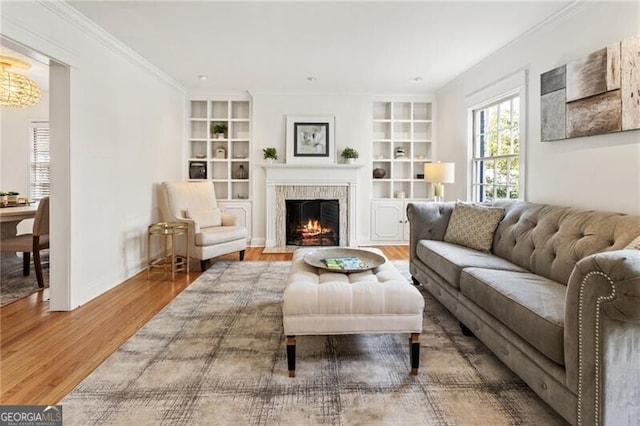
{"x":80,"y":21}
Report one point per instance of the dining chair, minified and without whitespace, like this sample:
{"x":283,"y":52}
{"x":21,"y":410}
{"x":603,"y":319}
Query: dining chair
{"x":34,"y":242}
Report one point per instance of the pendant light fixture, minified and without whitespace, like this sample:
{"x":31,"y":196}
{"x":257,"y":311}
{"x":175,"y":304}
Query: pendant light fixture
{"x":16,"y":90}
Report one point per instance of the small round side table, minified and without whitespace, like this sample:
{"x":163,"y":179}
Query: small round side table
{"x":168,"y":260}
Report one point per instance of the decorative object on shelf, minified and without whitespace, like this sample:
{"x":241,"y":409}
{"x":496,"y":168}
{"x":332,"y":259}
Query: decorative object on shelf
{"x":592,"y":95}
{"x":400,"y":195}
{"x":242,"y":196}
{"x":16,"y":90}
{"x":310,"y":139}
{"x":241,"y":172}
{"x":219,"y":130}
{"x":350,"y":155}
{"x":420,"y":176}
{"x":379,"y":173}
{"x":270,"y":154}
{"x":439,"y":173}
{"x":201,"y":156}
{"x":221,"y":153}
{"x":400,"y":153}
{"x":197,"y":170}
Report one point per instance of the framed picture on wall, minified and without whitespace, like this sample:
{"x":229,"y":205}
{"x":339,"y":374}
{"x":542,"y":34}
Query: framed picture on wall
{"x":310,"y":139}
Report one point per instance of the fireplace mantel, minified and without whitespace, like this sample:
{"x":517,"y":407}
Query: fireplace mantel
{"x":312,"y":175}
{"x":291,"y":173}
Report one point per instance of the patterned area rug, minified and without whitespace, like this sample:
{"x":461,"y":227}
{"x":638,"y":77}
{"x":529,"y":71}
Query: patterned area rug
{"x":216,"y":355}
{"x":15,"y":286}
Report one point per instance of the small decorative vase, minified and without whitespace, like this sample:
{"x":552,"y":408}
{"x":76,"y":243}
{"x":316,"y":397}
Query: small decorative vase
{"x":268,"y":160}
{"x":241,"y":173}
{"x":351,"y":161}
{"x":379,"y":173}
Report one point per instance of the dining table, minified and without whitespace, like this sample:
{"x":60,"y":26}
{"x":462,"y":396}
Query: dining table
{"x":11,"y":216}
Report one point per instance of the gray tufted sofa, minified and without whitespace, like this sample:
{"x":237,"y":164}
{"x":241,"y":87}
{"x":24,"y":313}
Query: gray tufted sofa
{"x":557,"y":300}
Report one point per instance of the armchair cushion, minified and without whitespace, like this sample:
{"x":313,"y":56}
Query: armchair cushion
{"x":220,"y":234}
{"x":205,"y":218}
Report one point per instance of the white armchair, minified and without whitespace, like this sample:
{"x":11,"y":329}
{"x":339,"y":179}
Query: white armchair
{"x":211,"y":232}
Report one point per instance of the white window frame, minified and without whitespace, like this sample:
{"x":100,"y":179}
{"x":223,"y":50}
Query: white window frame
{"x":33,"y":125}
{"x":513,"y":85}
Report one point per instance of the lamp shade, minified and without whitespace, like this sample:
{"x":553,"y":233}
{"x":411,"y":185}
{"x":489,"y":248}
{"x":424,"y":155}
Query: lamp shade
{"x":440,"y":172}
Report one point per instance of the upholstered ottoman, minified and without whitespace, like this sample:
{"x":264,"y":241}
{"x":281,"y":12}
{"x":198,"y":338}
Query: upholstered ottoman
{"x":319,"y":302}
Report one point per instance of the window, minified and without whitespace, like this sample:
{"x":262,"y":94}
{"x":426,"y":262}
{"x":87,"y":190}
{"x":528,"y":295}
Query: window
{"x":496,"y":162}
{"x":39,"y":133}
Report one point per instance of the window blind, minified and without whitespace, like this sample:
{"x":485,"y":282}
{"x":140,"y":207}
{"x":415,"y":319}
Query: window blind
{"x":40,"y":160}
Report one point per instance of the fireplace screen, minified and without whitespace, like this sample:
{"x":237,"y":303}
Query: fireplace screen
{"x":313,"y":222}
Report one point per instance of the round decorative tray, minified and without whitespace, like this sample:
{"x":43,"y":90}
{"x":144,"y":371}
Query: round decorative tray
{"x":338,"y":259}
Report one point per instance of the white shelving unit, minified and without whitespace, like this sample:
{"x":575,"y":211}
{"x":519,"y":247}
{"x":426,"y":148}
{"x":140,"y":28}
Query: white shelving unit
{"x":407,"y":125}
{"x":225,"y":155}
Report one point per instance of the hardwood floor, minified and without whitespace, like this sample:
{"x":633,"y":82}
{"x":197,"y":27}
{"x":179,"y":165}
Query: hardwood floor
{"x":44,"y":355}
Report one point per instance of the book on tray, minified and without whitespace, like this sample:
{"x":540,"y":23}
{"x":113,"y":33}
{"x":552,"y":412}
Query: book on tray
{"x":347,"y":262}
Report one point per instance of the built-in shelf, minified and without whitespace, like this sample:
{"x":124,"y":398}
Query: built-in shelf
{"x":402,"y":144}
{"x":221,"y":157}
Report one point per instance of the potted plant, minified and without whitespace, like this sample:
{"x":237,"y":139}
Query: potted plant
{"x":12,"y":196}
{"x":220,"y":130}
{"x":350,"y":155}
{"x":3,"y":198}
{"x":270,"y":154}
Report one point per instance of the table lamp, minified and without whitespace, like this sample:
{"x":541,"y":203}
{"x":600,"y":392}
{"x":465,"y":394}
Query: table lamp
{"x":439,"y":173}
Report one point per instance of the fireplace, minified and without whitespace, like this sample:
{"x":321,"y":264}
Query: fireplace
{"x":309,"y":182}
{"x":313,"y":222}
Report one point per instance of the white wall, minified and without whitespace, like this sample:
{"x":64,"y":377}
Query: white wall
{"x":125,"y":135}
{"x":353,"y":128}
{"x":598,"y":172}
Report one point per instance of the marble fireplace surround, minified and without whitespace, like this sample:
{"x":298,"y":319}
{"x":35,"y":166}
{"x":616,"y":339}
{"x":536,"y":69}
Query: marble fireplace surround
{"x":303,"y":181}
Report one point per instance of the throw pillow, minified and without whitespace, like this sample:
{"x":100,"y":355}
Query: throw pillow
{"x":473,"y":225}
{"x":635,"y":244}
{"x":205,"y":218}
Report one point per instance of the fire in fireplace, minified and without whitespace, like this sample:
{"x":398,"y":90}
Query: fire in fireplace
{"x":313,"y":222}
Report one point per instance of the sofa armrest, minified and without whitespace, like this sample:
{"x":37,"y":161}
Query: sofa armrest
{"x":602,"y":336}
{"x":229,"y":219}
{"x":427,"y":221}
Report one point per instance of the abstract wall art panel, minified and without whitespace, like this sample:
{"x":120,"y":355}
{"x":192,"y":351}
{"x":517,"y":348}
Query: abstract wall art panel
{"x":553,"y":115}
{"x":596,"y":94}
{"x":594,"y":115}
{"x":587,"y":76}
{"x":630,"y":65}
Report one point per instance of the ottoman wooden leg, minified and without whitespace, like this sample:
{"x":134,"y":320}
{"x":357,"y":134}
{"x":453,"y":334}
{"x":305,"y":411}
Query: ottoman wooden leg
{"x":415,"y":353}
{"x":291,"y":355}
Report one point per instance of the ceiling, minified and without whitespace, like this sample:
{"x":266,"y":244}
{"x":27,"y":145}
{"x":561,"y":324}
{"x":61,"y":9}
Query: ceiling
{"x":379,"y":47}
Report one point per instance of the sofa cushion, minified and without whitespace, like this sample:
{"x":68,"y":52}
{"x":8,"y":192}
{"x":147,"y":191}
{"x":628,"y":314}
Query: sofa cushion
{"x":205,"y":218}
{"x":530,"y":305}
{"x":635,"y":244}
{"x":550,"y":240}
{"x":448,"y":260}
{"x":220,"y":234}
{"x":473,"y":225}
